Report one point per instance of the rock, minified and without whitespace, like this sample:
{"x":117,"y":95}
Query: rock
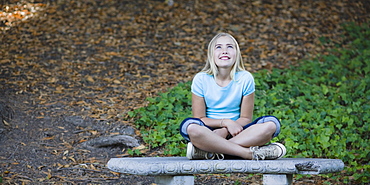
{"x":78,"y":121}
{"x":127,"y":131}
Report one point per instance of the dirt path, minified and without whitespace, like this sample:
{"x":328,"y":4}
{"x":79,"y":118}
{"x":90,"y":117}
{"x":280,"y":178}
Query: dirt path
{"x":74,"y":71}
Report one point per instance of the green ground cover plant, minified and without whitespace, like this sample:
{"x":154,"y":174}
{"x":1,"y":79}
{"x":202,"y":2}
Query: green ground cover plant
{"x":323,"y":104}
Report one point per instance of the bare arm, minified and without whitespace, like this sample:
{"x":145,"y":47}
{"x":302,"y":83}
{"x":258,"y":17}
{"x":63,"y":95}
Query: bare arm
{"x":199,"y":111}
{"x":246,"y":110}
{"x":246,"y":114}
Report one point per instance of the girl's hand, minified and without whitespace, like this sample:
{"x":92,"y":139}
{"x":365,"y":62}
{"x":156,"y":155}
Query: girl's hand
{"x":233,"y":127}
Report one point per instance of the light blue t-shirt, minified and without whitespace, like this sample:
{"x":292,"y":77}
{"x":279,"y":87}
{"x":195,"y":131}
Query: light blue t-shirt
{"x":223,"y":102}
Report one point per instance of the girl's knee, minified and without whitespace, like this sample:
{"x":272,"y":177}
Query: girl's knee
{"x":194,"y":130}
{"x":267,"y":129}
{"x":272,"y":129}
{"x":185,"y":124}
{"x":270,"y":126}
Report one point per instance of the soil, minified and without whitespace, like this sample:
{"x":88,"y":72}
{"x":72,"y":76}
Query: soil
{"x":73,"y":71}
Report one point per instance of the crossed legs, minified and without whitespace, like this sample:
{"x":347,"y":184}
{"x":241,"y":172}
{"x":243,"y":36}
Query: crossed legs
{"x":255,"y":135}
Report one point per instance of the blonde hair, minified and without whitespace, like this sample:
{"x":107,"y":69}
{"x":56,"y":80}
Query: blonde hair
{"x":211,"y":68}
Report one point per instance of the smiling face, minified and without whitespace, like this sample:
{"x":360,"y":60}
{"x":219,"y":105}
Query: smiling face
{"x":223,"y":55}
{"x":224,"y":52}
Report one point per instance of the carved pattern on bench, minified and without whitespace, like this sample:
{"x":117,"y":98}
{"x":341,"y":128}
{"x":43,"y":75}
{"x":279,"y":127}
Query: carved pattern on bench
{"x":183,"y":166}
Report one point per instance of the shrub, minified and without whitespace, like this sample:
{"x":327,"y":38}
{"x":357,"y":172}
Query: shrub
{"x":323,"y":104}
{"x":159,"y":121}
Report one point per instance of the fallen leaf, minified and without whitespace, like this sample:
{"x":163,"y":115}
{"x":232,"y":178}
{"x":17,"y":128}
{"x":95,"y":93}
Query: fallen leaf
{"x":141,"y":147}
{"x":116,"y":81}
{"x":6,"y":123}
{"x":90,"y":79}
{"x":48,"y":138}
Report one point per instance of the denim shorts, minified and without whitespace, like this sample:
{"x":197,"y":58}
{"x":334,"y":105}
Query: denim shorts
{"x":184,"y":125}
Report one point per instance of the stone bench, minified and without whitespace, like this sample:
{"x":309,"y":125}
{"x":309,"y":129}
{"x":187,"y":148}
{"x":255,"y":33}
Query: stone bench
{"x":180,"y":170}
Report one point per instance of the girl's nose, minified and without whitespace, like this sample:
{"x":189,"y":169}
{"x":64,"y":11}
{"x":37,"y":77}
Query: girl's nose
{"x":224,"y":51}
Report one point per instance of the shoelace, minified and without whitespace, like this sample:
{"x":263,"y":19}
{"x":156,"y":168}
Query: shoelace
{"x":256,"y":154}
{"x":206,"y":156}
{"x":219,"y":156}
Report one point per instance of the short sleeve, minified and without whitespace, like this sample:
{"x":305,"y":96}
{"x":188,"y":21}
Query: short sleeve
{"x":246,"y":78}
{"x":196,"y":86}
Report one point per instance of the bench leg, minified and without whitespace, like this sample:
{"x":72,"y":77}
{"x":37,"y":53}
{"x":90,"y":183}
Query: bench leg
{"x":175,"y":180}
{"x":277,"y":179}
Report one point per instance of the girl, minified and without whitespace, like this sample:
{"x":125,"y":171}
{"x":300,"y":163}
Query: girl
{"x":222,"y":106}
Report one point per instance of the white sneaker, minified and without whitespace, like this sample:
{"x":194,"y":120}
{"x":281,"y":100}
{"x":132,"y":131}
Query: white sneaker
{"x":271,"y":151}
{"x":193,"y":152}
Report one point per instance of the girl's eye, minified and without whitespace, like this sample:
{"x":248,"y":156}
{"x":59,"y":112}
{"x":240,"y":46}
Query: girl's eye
{"x":218,"y":47}
{"x":230,"y":46}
